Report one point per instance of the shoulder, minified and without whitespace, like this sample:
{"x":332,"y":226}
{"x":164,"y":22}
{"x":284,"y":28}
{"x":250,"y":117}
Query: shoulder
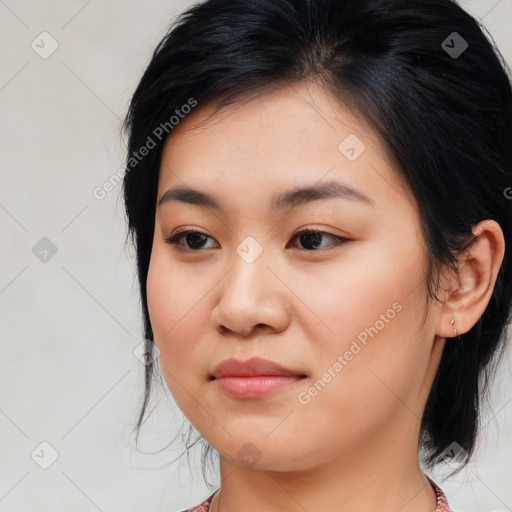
{"x":202,"y":507}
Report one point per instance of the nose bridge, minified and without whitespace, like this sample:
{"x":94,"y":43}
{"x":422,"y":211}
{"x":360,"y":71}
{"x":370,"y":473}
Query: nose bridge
{"x":250,"y":294}
{"x":249,"y":269}
{"x":249,"y":250}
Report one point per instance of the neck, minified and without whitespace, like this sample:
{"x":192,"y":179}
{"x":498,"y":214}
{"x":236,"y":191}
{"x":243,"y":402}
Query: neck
{"x":384,"y":478}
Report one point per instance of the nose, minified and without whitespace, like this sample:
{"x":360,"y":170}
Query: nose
{"x":251,"y":299}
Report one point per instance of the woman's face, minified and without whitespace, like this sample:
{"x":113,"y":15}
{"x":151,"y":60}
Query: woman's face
{"x":342,"y":306}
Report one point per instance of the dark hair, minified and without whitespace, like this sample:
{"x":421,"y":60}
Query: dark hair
{"x":444,"y":111}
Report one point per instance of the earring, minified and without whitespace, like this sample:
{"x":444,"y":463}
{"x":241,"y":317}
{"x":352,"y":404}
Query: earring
{"x":453,"y":325}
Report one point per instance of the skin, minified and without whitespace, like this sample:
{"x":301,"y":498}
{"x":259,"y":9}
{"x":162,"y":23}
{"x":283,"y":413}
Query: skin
{"x":353,"y":446}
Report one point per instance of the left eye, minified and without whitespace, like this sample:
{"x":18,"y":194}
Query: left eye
{"x":310,"y":239}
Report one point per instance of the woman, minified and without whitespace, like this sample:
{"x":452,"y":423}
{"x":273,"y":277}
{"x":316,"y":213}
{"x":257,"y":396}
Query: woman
{"x":318,"y":192}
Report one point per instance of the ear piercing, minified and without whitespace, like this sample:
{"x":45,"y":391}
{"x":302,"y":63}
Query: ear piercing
{"x":453,"y":325}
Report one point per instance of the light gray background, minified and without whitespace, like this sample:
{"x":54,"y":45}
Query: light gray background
{"x":69,"y":325}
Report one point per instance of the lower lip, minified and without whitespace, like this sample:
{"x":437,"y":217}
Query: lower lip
{"x":254,"y":387}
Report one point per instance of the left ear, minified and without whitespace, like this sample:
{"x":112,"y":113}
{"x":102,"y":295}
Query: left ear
{"x":471,"y":290}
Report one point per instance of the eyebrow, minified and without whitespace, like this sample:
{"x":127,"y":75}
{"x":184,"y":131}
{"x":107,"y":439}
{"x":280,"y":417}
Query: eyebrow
{"x":292,"y":198}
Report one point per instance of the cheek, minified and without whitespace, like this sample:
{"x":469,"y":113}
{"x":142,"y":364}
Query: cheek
{"x":362,"y":291}
{"x":177,"y":308}
{"x":374,"y":348}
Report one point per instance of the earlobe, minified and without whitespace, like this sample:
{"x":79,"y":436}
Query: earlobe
{"x":474,"y":285}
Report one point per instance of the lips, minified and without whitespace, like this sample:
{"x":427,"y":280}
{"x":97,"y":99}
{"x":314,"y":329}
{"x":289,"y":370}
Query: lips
{"x":255,"y":378}
{"x":254,"y":367}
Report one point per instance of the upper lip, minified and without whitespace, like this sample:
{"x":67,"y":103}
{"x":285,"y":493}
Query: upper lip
{"x":250,"y":368}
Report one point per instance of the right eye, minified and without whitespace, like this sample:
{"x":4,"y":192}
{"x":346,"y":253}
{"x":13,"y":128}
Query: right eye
{"x":194,"y":239}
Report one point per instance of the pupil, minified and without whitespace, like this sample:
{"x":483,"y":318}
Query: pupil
{"x":195,"y":238}
{"x":312,"y":238}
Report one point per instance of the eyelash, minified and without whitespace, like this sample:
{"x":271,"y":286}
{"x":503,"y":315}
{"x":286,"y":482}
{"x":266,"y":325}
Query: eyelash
{"x":176,"y":238}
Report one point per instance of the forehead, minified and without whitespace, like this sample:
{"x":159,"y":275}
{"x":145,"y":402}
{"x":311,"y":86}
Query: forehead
{"x":295,"y":134}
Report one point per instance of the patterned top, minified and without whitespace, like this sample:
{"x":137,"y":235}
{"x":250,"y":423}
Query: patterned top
{"x":442,"y":502}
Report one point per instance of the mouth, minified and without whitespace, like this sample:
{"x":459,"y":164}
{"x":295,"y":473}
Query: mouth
{"x":255,"y":387}
{"x":253,"y":378}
